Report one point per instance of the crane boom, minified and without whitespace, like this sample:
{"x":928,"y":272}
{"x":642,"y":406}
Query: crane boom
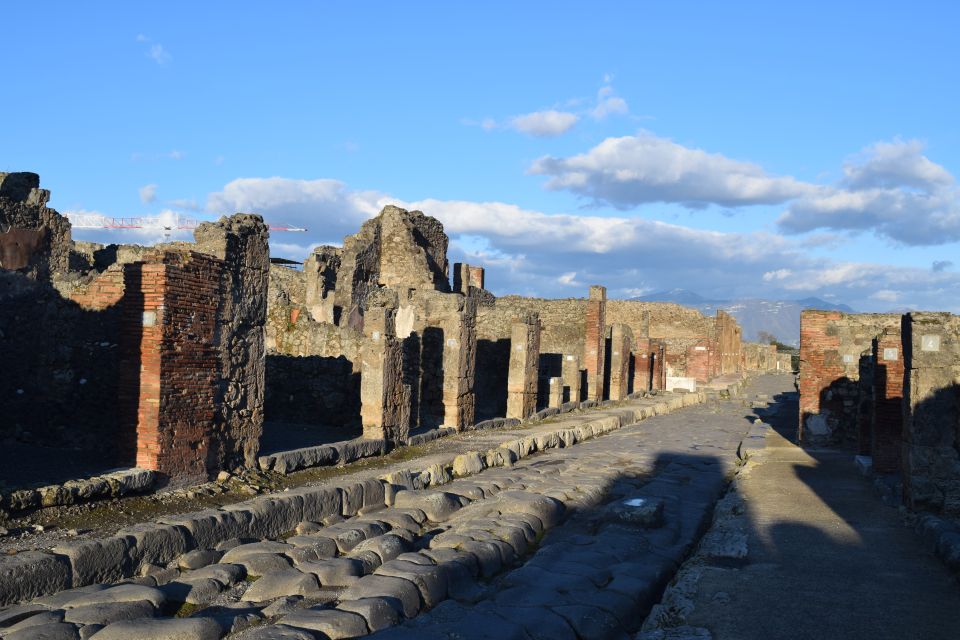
{"x":171,"y":222}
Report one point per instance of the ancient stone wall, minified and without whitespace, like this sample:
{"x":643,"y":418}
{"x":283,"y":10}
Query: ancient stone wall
{"x":728,"y":344}
{"x":886,"y":400}
{"x":931,"y":412}
{"x":831,"y":344}
{"x":34,"y":240}
{"x":312,"y":390}
{"x":621,"y":364}
{"x":384,"y":399}
{"x":241,"y":242}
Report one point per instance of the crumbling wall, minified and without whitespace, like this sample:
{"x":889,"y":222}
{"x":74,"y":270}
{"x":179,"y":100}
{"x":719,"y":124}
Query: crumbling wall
{"x":241,"y":241}
{"x":931,"y":412}
{"x":831,"y":344}
{"x":34,"y":239}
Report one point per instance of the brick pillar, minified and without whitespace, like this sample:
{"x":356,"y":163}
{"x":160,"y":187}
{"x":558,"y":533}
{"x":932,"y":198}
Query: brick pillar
{"x":594,"y":352}
{"x":555,"y":394}
{"x":170,"y":361}
{"x":658,"y":353}
{"x":571,"y":373}
{"x":524,"y":359}
{"x":620,"y":339}
{"x":887,"y":402}
{"x":477,"y":276}
{"x":382,"y":393}
{"x":698,"y":361}
{"x":642,"y":365}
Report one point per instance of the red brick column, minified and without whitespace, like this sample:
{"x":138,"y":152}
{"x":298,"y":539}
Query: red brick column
{"x":698,"y":361}
{"x":594,"y":355}
{"x":887,"y":402}
{"x":642,"y":365}
{"x":658,"y":351}
{"x":170,"y":362}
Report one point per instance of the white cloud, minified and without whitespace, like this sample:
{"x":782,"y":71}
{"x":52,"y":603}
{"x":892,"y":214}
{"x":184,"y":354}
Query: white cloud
{"x":176,"y":154}
{"x":608,"y":104}
{"x":779,"y":274}
{"x":155,"y":51}
{"x":886,"y":295}
{"x":148,"y":193}
{"x":632,"y":170}
{"x":569,"y":279}
{"x":891,"y":189}
{"x":544,"y":124}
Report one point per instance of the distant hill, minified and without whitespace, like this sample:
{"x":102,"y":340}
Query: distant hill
{"x":780,"y":318}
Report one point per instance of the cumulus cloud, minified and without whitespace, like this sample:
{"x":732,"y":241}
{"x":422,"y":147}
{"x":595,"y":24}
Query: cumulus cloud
{"x":632,"y":170}
{"x":608,"y":104}
{"x":891,"y":189}
{"x":148,"y":193}
{"x":326,"y":207}
{"x":544,"y":124}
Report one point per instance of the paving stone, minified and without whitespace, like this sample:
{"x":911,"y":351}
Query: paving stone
{"x":226,"y":574}
{"x":199,"y":558}
{"x":398,"y":519}
{"x":254,"y":548}
{"x":334,"y":572}
{"x":387,"y":547}
{"x":162,"y":629}
{"x":549,"y":511}
{"x":436,"y":505}
{"x":488,"y":557}
{"x":276,"y":632}
{"x":120,"y":593}
{"x":590,"y":622}
{"x":60,"y":599}
{"x":277,"y":584}
{"x":198,"y":592}
{"x":269,"y":516}
{"x":16,"y":613}
{"x":431,"y":580}
{"x":53,"y":631}
{"x":401,"y":594}
{"x":377,"y":612}
{"x":332,"y":623}
{"x":540,"y":623}
{"x":108,"y":612}
{"x":87,"y":631}
{"x":320,"y":549}
{"x":263,"y":563}
{"x":467,"y":464}
{"x":42,"y":616}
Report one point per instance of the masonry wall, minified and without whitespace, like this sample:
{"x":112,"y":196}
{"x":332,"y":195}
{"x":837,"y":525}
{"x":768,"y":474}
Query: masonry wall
{"x":313,"y":390}
{"x":931,"y":412}
{"x":170,"y":360}
{"x":886,"y":414}
{"x":831,"y":344}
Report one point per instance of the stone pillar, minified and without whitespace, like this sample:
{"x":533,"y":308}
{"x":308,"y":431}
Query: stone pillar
{"x":620,"y":339}
{"x":524,"y":359}
{"x":169,"y":362}
{"x":241,"y":242}
{"x":459,"y":360}
{"x":887,"y":427}
{"x":571,"y":377}
{"x":555,"y":397}
{"x":594,"y":348}
{"x":320,"y":277}
{"x":383,"y":413}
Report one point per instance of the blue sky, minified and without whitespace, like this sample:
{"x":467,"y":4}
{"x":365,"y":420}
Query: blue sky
{"x":734,"y":149}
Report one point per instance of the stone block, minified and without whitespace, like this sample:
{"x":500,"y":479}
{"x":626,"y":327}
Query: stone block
{"x":91,"y":561}
{"x":30,"y":574}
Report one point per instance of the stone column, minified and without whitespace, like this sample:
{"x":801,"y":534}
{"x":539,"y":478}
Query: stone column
{"x":555,"y":397}
{"x":620,"y":339}
{"x":459,"y":362}
{"x":641,"y":365}
{"x":522,"y":375}
{"x":571,"y":376}
{"x":320,"y":276}
{"x":595,"y":331}
{"x":382,"y":394}
{"x":658,"y":352}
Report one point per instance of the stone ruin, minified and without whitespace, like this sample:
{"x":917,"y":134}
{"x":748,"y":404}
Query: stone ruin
{"x":185,"y":358}
{"x":888,"y":385}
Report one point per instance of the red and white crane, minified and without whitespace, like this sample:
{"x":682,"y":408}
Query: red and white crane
{"x":164,"y":222}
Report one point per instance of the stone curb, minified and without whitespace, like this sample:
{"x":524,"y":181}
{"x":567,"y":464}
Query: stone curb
{"x":112,"y":484}
{"x":35,"y":573}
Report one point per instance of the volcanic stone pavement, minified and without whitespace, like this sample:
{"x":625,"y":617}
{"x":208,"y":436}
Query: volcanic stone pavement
{"x":574,"y":542}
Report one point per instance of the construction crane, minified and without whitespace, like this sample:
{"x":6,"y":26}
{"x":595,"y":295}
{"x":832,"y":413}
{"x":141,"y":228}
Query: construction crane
{"x":165,"y":222}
